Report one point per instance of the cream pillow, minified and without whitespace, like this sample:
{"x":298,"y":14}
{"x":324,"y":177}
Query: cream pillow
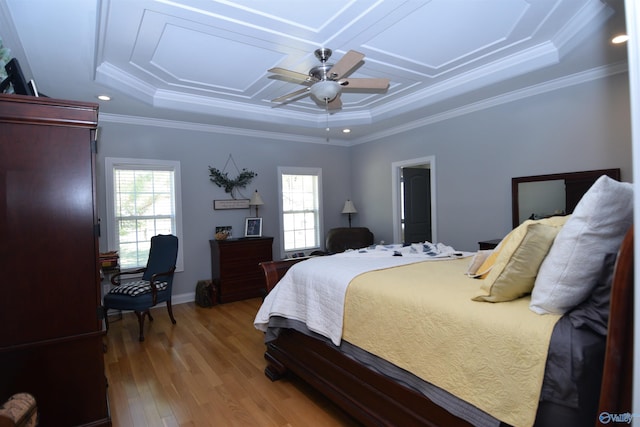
{"x":518,"y":234}
{"x":571,"y":269}
{"x":516,"y":266}
{"x":490,"y":259}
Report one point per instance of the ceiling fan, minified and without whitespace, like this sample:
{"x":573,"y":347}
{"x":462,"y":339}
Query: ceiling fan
{"x":326,"y":81}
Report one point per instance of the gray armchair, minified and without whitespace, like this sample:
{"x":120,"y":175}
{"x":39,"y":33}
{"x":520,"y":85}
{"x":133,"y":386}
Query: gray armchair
{"x":343,"y":238}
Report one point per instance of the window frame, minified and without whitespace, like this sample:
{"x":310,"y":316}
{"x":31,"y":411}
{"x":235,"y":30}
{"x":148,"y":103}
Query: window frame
{"x":129,"y":163}
{"x":294,"y":170}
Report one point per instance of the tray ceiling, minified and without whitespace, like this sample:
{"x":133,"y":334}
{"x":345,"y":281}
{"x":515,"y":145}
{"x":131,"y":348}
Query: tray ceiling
{"x":203,"y":63}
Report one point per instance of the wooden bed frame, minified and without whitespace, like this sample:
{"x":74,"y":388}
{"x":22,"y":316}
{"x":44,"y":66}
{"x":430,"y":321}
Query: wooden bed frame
{"x":375,"y":400}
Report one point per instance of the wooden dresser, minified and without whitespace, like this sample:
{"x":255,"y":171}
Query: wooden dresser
{"x":51,"y":333}
{"x":235,"y":269}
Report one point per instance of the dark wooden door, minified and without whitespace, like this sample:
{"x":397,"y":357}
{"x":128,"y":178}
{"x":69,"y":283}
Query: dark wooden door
{"x":417,"y":204}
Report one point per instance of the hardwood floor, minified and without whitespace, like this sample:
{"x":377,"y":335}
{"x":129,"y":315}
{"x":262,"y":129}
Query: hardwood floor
{"x":207,"y":370}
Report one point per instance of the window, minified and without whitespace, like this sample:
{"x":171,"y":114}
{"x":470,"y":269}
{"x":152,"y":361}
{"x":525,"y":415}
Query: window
{"x":143,"y":200}
{"x":300,"y":190}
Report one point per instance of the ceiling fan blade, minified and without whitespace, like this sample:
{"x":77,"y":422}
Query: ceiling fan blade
{"x":366,"y":83}
{"x":294,"y":75}
{"x":291,"y":95}
{"x":336,"y":104}
{"x":346,"y":64}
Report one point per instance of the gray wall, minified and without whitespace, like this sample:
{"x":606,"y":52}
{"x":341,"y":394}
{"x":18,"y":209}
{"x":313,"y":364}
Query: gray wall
{"x":577,"y":128}
{"x":196,"y":151}
{"x":583,"y":127}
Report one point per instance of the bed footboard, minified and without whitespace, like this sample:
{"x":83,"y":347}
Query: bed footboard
{"x":369,"y":397}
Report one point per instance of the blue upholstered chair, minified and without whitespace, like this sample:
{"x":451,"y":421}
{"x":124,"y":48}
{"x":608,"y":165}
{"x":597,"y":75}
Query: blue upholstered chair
{"x":154,"y":287}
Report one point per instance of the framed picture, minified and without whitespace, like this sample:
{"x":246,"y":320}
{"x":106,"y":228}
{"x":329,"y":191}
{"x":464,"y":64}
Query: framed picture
{"x":223,"y":232}
{"x":253,"y":227}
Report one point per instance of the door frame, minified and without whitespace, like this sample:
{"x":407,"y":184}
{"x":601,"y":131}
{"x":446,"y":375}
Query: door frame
{"x":396,"y":170}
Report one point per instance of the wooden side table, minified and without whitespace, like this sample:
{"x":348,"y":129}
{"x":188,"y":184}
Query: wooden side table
{"x":489,"y":244}
{"x":235,"y":269}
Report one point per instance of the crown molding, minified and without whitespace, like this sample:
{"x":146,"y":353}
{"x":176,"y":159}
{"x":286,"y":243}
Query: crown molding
{"x":549,"y":86}
{"x":226,"y":130}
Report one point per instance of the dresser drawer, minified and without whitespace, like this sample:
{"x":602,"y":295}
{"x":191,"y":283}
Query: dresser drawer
{"x":235,"y":267}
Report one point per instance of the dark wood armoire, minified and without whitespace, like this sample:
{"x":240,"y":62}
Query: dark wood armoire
{"x":51,"y":331}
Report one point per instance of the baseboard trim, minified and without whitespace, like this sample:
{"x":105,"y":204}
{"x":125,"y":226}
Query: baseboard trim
{"x":183,"y":298}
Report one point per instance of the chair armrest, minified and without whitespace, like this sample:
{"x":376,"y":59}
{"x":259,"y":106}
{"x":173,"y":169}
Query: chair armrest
{"x":152,"y":282}
{"x":155,"y":277}
{"x":115,"y":279}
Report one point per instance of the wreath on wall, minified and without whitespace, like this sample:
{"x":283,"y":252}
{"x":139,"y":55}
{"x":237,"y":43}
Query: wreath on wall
{"x":231,"y":185}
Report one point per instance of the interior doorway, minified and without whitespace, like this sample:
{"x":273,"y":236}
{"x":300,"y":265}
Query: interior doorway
{"x":419,"y":220}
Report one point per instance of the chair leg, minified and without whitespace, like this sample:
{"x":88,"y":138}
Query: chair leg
{"x":106,"y":317}
{"x":170,"y":310}
{"x":140,"y":315}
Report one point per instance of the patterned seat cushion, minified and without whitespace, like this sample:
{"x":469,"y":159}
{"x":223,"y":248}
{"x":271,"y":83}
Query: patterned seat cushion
{"x":138,"y":287}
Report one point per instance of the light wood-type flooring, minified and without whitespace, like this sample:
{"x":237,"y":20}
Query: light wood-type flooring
{"x":207,"y":370}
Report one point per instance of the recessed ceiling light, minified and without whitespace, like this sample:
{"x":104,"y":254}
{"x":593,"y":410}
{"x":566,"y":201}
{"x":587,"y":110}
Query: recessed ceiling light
{"x":346,"y":130}
{"x":104,"y":98}
{"x":620,"y":38}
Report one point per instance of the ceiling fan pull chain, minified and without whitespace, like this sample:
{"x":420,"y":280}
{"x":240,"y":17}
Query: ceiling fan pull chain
{"x":326,"y":104}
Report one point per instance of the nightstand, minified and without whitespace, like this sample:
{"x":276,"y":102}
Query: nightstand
{"x":489,"y":244}
{"x":235,"y":269}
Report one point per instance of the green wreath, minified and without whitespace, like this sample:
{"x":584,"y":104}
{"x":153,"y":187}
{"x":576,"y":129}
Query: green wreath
{"x":222,"y":180}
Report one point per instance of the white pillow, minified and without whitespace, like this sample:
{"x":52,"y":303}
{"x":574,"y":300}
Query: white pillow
{"x":572,"y":267}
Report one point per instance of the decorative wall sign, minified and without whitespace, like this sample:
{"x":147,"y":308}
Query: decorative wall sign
{"x":231,"y":204}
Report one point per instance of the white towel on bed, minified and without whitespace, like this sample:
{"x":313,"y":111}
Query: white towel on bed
{"x":313,"y":291}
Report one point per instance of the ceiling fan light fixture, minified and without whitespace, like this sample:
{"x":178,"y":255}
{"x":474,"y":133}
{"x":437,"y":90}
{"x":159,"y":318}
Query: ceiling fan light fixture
{"x":325,"y":90}
{"x":620,"y":38}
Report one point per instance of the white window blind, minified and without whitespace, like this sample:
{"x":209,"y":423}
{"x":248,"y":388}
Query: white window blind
{"x":144,"y":200}
{"x":300,"y":201}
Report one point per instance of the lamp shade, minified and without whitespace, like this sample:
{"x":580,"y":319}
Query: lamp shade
{"x":256,"y":200}
{"x":325,"y":90}
{"x":349,"y":208}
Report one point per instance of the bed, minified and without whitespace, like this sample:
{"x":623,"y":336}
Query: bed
{"x":378,"y":390}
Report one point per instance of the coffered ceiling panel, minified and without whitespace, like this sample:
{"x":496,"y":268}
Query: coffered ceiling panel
{"x":206,"y":62}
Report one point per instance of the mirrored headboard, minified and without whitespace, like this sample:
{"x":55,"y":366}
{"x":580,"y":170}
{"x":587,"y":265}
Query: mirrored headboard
{"x":540,"y":196}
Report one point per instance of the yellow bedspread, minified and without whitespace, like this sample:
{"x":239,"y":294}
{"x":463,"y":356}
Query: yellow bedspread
{"x":491,"y":355}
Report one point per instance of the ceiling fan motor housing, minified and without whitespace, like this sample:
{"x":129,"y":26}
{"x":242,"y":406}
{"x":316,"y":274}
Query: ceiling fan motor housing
{"x":321,"y":72}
